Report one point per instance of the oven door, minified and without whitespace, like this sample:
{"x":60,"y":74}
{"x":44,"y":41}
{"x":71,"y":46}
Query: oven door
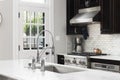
{"x":107,"y":67}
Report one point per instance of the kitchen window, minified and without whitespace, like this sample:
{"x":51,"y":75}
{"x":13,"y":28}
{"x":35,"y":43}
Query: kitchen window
{"x":34,"y":23}
{"x":34,"y":17}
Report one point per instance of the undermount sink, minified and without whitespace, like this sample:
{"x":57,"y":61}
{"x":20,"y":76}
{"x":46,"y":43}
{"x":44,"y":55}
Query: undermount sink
{"x":62,"y":69}
{"x":6,"y":78}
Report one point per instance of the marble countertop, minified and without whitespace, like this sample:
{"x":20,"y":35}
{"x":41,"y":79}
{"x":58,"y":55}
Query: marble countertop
{"x":18,"y":69}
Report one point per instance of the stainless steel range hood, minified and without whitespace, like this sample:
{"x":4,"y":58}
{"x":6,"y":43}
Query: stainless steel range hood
{"x":85,"y":16}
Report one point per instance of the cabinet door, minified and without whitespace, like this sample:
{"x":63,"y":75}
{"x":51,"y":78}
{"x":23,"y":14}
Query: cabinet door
{"x":94,"y":3}
{"x":116,"y":15}
{"x":110,"y":14}
{"x":72,"y":9}
{"x":70,"y":14}
{"x":106,"y":23}
{"x":87,"y":3}
{"x":79,"y":4}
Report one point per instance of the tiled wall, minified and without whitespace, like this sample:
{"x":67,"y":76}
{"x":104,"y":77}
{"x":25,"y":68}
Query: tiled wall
{"x":108,"y":43}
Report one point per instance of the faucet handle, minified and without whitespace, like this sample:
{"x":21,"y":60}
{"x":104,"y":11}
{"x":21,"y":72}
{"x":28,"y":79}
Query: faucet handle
{"x":29,"y":65}
{"x":33,"y":60}
{"x":46,"y":45}
{"x":33,"y":66}
{"x":47,"y":53}
{"x":43,"y":64}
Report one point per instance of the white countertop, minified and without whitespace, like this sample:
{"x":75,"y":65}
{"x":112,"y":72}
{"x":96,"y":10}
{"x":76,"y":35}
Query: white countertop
{"x":16,"y":69}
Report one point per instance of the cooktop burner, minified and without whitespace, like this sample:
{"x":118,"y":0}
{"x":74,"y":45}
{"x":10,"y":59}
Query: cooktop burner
{"x":86,"y":54}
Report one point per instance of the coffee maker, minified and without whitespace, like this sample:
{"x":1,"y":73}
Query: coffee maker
{"x":78,"y":45}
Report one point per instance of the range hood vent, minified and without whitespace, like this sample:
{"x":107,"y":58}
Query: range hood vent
{"x":86,"y":16}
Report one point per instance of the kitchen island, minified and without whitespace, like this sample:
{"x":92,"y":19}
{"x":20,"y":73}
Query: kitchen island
{"x":18,"y":69}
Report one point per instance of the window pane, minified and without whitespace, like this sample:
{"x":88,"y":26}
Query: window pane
{"x":26,"y":42}
{"x":26,"y":16}
{"x":33,"y":17}
{"x":33,"y":43}
{"x":35,"y":1}
{"x":40,"y":29}
{"x":26,"y":30}
{"x":33,"y":30}
{"x":41,"y":43}
{"x":40,"y":18}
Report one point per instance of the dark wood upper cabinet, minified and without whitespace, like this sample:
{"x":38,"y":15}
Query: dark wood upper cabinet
{"x":86,"y":3}
{"x":72,"y":9}
{"x":110,"y":16}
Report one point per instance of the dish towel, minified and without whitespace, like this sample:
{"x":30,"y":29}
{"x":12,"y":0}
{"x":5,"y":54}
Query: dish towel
{"x":85,"y":32}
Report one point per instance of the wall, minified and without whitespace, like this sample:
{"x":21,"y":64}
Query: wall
{"x":60,"y":25}
{"x":6,"y":30}
{"x":15,"y":10}
{"x":108,"y":43}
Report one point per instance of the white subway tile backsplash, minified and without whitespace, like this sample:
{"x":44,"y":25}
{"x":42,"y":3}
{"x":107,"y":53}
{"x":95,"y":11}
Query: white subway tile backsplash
{"x":108,"y":43}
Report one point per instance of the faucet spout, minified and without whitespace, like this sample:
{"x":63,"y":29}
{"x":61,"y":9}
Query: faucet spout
{"x":39,"y":54}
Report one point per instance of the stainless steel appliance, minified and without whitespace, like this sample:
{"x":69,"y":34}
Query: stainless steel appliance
{"x":86,"y":15}
{"x":108,"y":67}
{"x":79,"y":61}
{"x":78,"y":45}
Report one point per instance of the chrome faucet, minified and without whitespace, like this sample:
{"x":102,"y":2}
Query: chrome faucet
{"x":44,"y":49}
{"x":39,"y":58}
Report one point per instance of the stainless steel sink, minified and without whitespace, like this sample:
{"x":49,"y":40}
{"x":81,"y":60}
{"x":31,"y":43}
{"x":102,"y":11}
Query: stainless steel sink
{"x":6,"y":78}
{"x":62,"y":69}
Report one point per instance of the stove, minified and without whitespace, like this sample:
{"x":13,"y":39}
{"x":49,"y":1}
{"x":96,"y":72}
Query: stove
{"x":86,"y":54}
{"x":79,"y":59}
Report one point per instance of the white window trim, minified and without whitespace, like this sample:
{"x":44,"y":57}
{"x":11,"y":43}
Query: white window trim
{"x":37,"y":10}
{"x":51,"y":16}
{"x":50,"y":9}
